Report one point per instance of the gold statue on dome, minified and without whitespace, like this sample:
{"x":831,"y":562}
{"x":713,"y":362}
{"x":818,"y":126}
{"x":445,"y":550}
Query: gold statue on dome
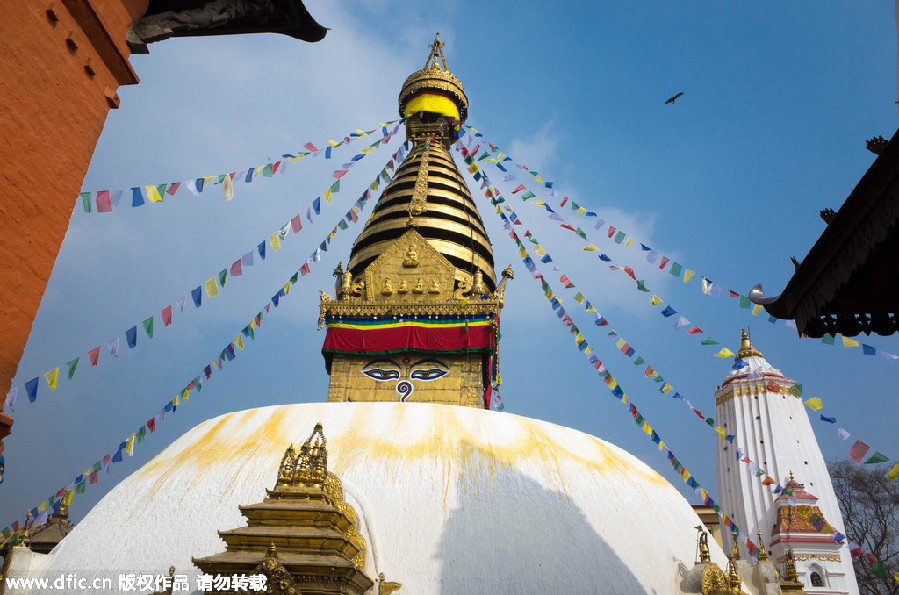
{"x":387,"y":287}
{"x":403,"y":288}
{"x":434,"y":287}
{"x":419,"y":287}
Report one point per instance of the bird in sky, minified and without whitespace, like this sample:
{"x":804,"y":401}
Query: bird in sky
{"x":672,"y":99}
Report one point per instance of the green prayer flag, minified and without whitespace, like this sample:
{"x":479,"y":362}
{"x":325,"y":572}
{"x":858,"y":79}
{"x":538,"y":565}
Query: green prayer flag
{"x":86,"y":199}
{"x":879,"y":568}
{"x":469,"y":159}
{"x":343,"y":224}
{"x":675,"y":269}
{"x":717,"y":509}
{"x":267,"y":170}
{"x":677,"y":465}
{"x":221,"y":179}
{"x":97,"y":466}
{"x":71,"y":365}
{"x":795,"y":390}
{"x":581,"y":233}
{"x":528,"y":195}
{"x":223,"y":276}
{"x":760,"y":473}
{"x":639,"y":360}
{"x":385,"y":175}
{"x":295,"y":278}
{"x":708,"y":341}
{"x":877,"y":457}
{"x":252,"y":333}
{"x":641,"y":285}
{"x":335,"y":187}
{"x":142,"y":434}
{"x":745,"y":302}
{"x":710,"y":421}
{"x":827,"y":338}
{"x":619,"y":237}
{"x":148,"y":326}
{"x":658,"y":379}
{"x":79,"y":488}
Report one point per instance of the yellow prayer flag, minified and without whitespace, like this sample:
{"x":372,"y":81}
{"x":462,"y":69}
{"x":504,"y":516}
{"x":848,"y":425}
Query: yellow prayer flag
{"x":208,"y":180}
{"x":522,"y":252}
{"x":367,"y":150}
{"x":129,"y":445}
{"x":42,"y":506}
{"x":287,"y":288}
{"x":228,"y":190}
{"x":238,"y":340}
{"x":661,"y":445}
{"x":579,"y":298}
{"x":274,"y":241}
{"x":756,"y":309}
{"x":647,"y":429}
{"x":538,"y":250}
{"x":720,"y":430}
{"x":590,"y":308}
{"x":538,"y":179}
{"x":581,"y":210}
{"x":185,"y":394}
{"x":814,"y":403}
{"x":374,"y":185}
{"x":588,"y":350}
{"x":327,"y":195}
{"x":499,"y":379}
{"x":333,"y":143}
{"x":153,"y":194}
{"x":725,"y":352}
{"x":51,"y":377}
{"x":666,"y":388}
{"x":620,"y":343}
{"x":591,"y":248}
{"x":579,"y":339}
{"x":656,"y":300}
{"x":847,"y":342}
{"x":894,"y":472}
{"x":628,"y":242}
{"x":67,"y":499}
{"x":212,"y":289}
{"x":611,"y":382}
{"x":176,"y":401}
{"x":688,"y":274}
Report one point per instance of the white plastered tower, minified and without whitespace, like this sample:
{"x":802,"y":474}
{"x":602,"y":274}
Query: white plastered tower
{"x":771,"y":427}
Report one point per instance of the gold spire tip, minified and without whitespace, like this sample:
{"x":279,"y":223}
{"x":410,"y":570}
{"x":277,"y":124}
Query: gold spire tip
{"x":746,"y":348}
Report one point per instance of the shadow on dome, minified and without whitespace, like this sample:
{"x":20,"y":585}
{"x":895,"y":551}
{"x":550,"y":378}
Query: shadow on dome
{"x":517,"y":536}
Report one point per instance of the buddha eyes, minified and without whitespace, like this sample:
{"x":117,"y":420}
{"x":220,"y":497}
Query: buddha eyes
{"x":429,"y":374}
{"x":379,"y":374}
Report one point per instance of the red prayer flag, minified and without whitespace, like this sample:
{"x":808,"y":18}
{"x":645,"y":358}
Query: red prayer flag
{"x":296,"y":224}
{"x":151,"y":424}
{"x":733,"y":293}
{"x":698,"y":413}
{"x":310,"y":147}
{"x":94,"y":355}
{"x":858,"y":451}
{"x":275,"y":167}
{"x":768,"y":480}
{"x":104,"y":205}
{"x":94,"y":477}
{"x":663,"y":263}
{"x":694,"y":330}
{"x":630,"y":273}
{"x":61,"y":492}
{"x":339,"y":173}
{"x":565,"y":280}
{"x":564,"y":200}
{"x":611,"y":231}
{"x":173,"y":188}
{"x":167,"y":313}
{"x":519,"y":189}
{"x":566,"y":226}
{"x":304,"y":270}
{"x":236,"y":269}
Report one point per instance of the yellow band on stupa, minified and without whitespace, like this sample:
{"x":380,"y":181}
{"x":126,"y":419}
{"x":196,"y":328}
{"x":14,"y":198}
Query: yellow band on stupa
{"x":431,"y":102}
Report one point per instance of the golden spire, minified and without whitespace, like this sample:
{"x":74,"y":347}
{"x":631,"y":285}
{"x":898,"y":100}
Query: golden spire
{"x":746,"y":348}
{"x":704,"y":555}
{"x":436,"y":51}
{"x":733,"y":578}
{"x":763,"y":553}
{"x":791,"y":568}
{"x":735,"y":552}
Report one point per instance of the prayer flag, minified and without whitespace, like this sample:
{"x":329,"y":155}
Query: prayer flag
{"x":827,"y":338}
{"x":842,"y":434}
{"x":94,"y":355}
{"x":212,"y":289}
{"x":148,"y":326}
{"x":725,"y":352}
{"x":745,"y":303}
{"x":868,"y":350}
{"x":847,"y":342}
{"x":71,"y":367}
{"x":103,"y":203}
{"x":795,"y":390}
{"x":166,"y":313}
{"x":695,"y":330}
{"x":131,"y":336}
{"x":86,"y":201}
{"x":655,"y":301}
{"x":113,"y":345}
{"x":274,"y":241}
{"x":223,"y":277}
{"x":830,"y":420}
{"x":247,"y":259}
{"x":261,"y":250}
{"x":681,"y":322}
{"x":894,"y":472}
{"x":858,"y":451}
{"x":51,"y":377}
{"x":296,"y":224}
{"x":814,"y":403}
{"x":11,"y":397}
{"x":236,"y":269}
{"x":877,"y":457}
{"x":668,"y":312}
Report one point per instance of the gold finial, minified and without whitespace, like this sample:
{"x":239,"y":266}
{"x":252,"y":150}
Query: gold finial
{"x":704,"y":555}
{"x":791,"y":567}
{"x":735,"y":551}
{"x":791,"y":476}
{"x":733,"y":578}
{"x":272,"y":551}
{"x":436,"y":51}
{"x":763,"y":553}
{"x":386,"y":587}
{"x":746,"y":348}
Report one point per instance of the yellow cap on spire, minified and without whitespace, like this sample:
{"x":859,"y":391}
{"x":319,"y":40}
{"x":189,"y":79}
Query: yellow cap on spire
{"x":746,"y":348}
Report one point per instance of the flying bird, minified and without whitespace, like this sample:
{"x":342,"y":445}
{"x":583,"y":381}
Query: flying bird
{"x":672,"y":99}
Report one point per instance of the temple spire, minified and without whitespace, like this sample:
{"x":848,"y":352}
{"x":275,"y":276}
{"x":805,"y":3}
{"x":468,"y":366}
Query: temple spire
{"x":746,"y":348}
{"x":436,"y":52}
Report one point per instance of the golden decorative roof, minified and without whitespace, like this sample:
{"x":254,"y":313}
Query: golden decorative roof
{"x":435,"y":76}
{"x":746,"y":348}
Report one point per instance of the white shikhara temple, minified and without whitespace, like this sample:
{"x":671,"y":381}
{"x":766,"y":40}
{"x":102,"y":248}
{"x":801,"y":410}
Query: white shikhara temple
{"x":771,"y":427}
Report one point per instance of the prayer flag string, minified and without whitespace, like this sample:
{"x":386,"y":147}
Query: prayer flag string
{"x":39,"y":514}
{"x":103,"y":201}
{"x":493,"y":153}
{"x":210,"y":288}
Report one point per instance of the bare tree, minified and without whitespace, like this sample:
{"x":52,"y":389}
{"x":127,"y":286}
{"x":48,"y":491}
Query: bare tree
{"x":870,"y":506}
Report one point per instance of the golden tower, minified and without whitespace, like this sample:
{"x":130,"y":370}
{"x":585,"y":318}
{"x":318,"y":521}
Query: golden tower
{"x":416,"y":314}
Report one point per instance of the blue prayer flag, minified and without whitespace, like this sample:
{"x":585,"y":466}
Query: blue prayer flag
{"x":31,"y":389}
{"x":668,"y":312}
{"x":830,"y":420}
{"x":197,"y":295}
{"x":317,"y":205}
{"x":137,"y":199}
{"x":604,"y":258}
{"x":868,"y":350}
{"x":249,"y":177}
{"x":261,"y":249}
{"x":131,"y":336}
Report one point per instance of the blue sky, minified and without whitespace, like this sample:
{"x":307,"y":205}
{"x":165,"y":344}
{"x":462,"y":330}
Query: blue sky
{"x":778,"y":101}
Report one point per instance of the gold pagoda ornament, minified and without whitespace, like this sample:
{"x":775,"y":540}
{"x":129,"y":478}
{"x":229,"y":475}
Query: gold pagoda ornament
{"x":415,"y":315}
{"x":303,"y":536}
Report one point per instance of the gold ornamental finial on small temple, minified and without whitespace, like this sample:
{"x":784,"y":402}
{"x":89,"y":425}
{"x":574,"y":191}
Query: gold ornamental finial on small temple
{"x":436,"y":52}
{"x":746,"y":348}
{"x":762,"y":552}
{"x":735,"y":552}
{"x":704,"y":555}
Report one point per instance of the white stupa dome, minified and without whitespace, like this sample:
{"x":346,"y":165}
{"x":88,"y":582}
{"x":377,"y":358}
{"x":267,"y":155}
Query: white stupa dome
{"x":449,"y":499}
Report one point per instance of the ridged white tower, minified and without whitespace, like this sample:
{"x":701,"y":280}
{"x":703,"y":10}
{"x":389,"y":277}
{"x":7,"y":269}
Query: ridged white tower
{"x":771,"y":427}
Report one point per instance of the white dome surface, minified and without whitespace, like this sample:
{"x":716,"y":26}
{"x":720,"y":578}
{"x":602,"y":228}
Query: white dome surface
{"x":450,"y":500}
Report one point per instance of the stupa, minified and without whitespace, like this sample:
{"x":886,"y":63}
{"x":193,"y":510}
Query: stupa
{"x":410,"y":483}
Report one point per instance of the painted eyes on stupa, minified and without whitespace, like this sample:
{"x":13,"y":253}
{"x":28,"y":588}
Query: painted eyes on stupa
{"x":428,"y":374}
{"x":379,"y":374}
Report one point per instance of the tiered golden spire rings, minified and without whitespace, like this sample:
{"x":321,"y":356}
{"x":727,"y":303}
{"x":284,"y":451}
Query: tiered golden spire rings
{"x":310,"y":465}
{"x":436,"y":77}
{"x":746,"y":348}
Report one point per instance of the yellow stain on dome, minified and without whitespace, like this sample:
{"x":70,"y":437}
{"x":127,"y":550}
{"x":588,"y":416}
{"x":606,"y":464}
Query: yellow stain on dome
{"x":460,"y":444}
